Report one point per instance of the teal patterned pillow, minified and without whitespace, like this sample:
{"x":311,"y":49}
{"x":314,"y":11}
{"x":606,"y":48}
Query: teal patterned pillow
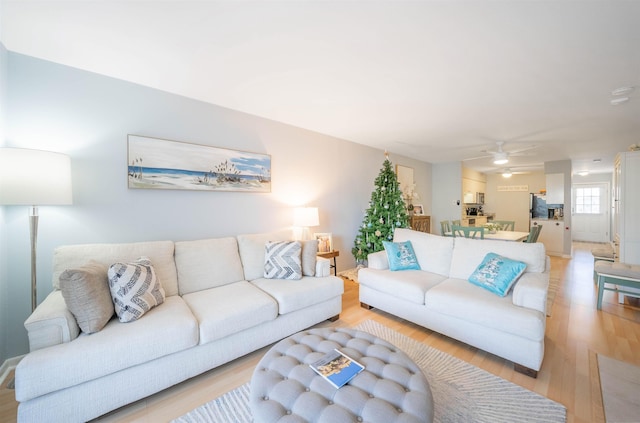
{"x":497,"y":274}
{"x":401,"y":255}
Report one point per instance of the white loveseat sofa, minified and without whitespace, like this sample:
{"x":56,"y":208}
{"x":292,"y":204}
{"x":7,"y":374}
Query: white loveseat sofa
{"x":439,"y":296}
{"x":218,"y":307}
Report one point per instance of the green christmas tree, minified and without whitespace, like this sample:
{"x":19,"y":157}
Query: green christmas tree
{"x":387,"y":211}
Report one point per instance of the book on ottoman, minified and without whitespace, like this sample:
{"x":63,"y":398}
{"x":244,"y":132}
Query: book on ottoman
{"x":337,"y":368}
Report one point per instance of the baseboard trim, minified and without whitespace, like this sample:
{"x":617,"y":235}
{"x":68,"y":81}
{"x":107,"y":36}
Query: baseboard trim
{"x":8,"y":365}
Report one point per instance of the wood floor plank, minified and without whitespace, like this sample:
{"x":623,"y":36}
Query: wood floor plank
{"x":576,"y":331}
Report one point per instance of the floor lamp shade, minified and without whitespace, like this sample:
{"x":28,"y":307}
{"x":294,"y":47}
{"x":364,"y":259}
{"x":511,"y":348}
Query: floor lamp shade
{"x":306,"y":217}
{"x":34,"y":178}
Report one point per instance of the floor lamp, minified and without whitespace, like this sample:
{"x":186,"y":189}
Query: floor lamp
{"x":34,"y":178}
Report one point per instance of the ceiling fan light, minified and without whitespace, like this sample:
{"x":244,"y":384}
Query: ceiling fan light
{"x":507,"y":174}
{"x":583,"y":173}
{"x":500,"y":160}
{"x":623,"y":90}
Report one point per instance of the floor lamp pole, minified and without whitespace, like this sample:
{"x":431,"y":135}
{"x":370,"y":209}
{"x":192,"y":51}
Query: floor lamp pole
{"x":33,"y":233}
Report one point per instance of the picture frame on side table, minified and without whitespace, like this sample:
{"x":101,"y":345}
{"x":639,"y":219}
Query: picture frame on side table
{"x":325,"y":241}
{"x":418,"y":210}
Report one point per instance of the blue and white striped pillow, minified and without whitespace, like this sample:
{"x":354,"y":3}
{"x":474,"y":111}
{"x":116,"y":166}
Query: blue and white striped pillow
{"x":282,"y":260}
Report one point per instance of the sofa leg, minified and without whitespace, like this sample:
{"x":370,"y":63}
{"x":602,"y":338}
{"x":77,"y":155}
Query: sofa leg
{"x":334,"y":318}
{"x":525,"y":370}
{"x":365,"y":306}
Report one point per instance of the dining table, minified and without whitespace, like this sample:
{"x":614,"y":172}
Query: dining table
{"x":503,"y":235}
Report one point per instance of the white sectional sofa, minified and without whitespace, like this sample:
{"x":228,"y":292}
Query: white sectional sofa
{"x":439,"y":296}
{"x":218,"y":307}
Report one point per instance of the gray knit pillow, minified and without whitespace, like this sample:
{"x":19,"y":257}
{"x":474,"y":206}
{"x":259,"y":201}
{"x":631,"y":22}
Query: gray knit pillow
{"x":282,"y":260}
{"x":135,"y":289}
{"x":86,"y":292}
{"x":309,"y":257}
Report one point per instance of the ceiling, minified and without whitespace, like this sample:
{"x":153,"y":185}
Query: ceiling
{"x":438,"y":81}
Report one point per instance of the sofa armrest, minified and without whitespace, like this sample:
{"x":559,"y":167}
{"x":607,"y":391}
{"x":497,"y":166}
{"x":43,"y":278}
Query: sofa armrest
{"x":322,"y":267}
{"x":51,"y":323}
{"x":531,"y":291}
{"x":378,"y":260}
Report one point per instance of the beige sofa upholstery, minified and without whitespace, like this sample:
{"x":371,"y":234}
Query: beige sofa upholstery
{"x":439,"y":296}
{"x":212,"y":314}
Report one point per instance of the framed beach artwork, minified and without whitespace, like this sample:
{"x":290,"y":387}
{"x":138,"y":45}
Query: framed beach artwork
{"x":325,"y":242}
{"x":155,"y":163}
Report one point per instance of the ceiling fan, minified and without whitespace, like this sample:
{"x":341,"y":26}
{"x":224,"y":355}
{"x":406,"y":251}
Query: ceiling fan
{"x":501,"y":156}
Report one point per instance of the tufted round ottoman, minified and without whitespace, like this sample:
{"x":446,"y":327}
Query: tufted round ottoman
{"x":392,"y":388}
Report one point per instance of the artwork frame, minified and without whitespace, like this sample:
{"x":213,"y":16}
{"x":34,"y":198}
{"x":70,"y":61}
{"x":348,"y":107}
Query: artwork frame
{"x":418,"y":210}
{"x":325,"y":241}
{"x":156,"y":163}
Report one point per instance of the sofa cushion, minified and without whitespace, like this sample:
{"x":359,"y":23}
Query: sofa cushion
{"x":207,"y":263}
{"x":251,"y":247}
{"x":497,"y":274}
{"x":282,"y":260}
{"x":309,"y":257}
{"x":135,"y":289}
{"x":229,"y":309}
{"x":433,"y":251}
{"x":401,"y":255}
{"x":116,"y":347}
{"x":296,"y":295}
{"x":460,"y":299}
{"x":410,"y":285}
{"x":160,"y":253}
{"x":86,"y":292}
{"x":469,"y":253}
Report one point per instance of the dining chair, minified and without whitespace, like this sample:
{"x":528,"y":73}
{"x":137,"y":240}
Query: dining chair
{"x":455,"y":222}
{"x":533,"y":234}
{"x":445,"y":228}
{"x":476,"y":232}
{"x":505,"y":225}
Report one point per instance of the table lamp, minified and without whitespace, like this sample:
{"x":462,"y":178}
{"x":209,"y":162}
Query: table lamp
{"x":34,"y":178}
{"x":305,"y":217}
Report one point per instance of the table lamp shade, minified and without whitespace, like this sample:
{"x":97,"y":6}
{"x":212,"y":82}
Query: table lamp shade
{"x":34,"y":177}
{"x":306,"y":217}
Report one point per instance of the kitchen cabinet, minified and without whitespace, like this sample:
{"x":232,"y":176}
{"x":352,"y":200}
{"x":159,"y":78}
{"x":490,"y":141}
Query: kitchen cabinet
{"x":626,"y":203}
{"x":555,"y":188}
{"x":551,"y":235}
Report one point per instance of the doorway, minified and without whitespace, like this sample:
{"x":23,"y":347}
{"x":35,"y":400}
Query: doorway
{"x":591,"y":212}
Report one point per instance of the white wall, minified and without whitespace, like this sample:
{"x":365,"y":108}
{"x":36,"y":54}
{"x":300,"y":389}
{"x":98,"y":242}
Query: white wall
{"x":4,"y":309}
{"x":88,"y":116}
{"x":564,"y":167}
{"x":512,"y":205}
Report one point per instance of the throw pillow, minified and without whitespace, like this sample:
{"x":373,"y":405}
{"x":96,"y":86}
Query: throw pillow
{"x":135,"y":289}
{"x":309,"y":257}
{"x":86,"y":292}
{"x":282,"y":260}
{"x":497,"y":274}
{"x":401,"y":255}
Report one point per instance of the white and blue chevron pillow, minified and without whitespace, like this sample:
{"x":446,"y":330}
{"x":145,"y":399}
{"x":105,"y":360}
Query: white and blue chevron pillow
{"x":135,"y":289}
{"x":282,"y":260}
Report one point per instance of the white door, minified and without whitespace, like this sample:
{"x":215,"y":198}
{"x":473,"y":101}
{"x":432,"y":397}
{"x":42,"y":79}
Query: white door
{"x":591,"y":215}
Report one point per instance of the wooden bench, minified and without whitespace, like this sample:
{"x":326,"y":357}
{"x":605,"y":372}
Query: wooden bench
{"x":617,"y":274}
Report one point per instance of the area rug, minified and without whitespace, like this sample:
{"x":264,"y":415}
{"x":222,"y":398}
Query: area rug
{"x":620,"y":384}
{"x":461,"y":391}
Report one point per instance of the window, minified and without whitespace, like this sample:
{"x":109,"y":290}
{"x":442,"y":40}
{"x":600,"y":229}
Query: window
{"x":588,"y":200}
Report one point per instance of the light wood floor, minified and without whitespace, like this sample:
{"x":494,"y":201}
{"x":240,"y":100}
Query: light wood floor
{"x":575,"y":332}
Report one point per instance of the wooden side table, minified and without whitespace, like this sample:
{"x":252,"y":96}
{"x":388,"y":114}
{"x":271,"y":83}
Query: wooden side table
{"x":331,"y":255}
{"x":420,"y":223}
